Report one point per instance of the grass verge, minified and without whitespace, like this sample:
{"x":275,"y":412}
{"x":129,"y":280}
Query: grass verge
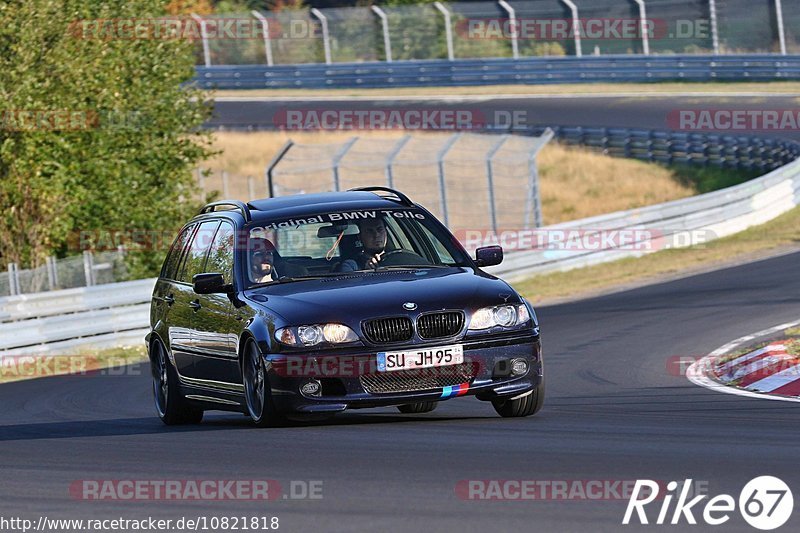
{"x":81,"y":363}
{"x":781,"y":233}
{"x":566,"y":89}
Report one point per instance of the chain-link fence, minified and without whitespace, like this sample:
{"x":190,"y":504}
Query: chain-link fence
{"x":499,"y":29}
{"x":467,"y":180}
{"x":84,"y":270}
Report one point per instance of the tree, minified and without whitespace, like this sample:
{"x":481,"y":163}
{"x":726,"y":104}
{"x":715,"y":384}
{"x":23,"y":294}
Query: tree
{"x":97,"y":132}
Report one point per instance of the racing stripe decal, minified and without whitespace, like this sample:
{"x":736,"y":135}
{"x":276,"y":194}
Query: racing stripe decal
{"x":457,"y":390}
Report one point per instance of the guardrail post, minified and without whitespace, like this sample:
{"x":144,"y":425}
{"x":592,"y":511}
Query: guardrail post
{"x":13,"y":280}
{"x":576,"y":25}
{"x":391,"y":157}
{"x":338,"y":159}
{"x":490,"y":180}
{"x":267,"y":37}
{"x":274,"y":163}
{"x":326,"y":38}
{"x":712,"y":15}
{"x":442,"y":183}
{"x":781,"y":28}
{"x":203,"y":38}
{"x":643,"y":27}
{"x":52,"y":272}
{"x":512,"y":21}
{"x":88,"y":268}
{"x":387,"y":40}
{"x":448,"y":30}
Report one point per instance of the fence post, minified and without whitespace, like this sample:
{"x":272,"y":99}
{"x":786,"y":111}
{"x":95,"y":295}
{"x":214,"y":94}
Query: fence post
{"x":326,"y":38}
{"x":391,"y":157}
{"x":512,"y":21}
{"x":442,"y":183}
{"x":534,"y":198}
{"x":204,"y":39}
{"x":225,"y":188}
{"x":490,"y":178}
{"x":448,"y":30}
{"x":201,"y":184}
{"x":781,"y":28}
{"x":88,"y":268}
{"x":712,"y":14}
{"x":576,"y":25}
{"x":643,"y":27}
{"x":387,"y":40}
{"x":267,"y":38}
{"x":251,"y":187}
{"x":274,"y":163}
{"x":338,"y":159}
{"x":52,"y":272}
{"x":13,"y":280}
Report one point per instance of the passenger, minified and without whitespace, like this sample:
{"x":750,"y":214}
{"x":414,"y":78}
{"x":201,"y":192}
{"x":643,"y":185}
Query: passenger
{"x":262,"y":262}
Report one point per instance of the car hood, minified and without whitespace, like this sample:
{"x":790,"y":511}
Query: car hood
{"x":350,"y":298}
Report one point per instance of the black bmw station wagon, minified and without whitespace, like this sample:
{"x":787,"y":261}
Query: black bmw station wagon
{"x":303,"y":306}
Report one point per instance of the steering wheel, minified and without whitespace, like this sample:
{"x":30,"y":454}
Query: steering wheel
{"x":402,"y":258}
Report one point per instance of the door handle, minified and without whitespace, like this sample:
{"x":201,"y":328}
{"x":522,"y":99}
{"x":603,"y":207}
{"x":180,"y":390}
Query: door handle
{"x":195,"y":305}
{"x":169,"y":299}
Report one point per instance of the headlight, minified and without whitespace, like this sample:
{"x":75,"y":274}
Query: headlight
{"x":500,"y":315}
{"x":338,"y":333}
{"x":314,"y":334}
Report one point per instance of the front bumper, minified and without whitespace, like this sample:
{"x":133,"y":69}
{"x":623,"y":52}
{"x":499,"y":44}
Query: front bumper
{"x":341,"y":376}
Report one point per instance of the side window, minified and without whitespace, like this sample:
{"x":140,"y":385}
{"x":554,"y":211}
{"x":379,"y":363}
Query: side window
{"x":170,"y":269}
{"x":220,"y":259}
{"x":195,"y":261}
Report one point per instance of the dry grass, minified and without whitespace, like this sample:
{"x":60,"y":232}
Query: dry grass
{"x":588,"y":88}
{"x":578,"y":183}
{"x":575,"y":182}
{"x":83,"y":362}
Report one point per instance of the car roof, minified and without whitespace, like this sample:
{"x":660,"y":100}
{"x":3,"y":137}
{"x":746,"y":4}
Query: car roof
{"x":309,"y":204}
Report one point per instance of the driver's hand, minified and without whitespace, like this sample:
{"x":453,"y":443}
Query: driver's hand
{"x":374,"y":260}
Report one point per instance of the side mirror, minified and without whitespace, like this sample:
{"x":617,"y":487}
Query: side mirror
{"x":489,"y":256}
{"x":210,"y":284}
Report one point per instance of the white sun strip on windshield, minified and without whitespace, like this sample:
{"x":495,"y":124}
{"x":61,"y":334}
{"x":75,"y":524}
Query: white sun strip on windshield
{"x":344,"y":216}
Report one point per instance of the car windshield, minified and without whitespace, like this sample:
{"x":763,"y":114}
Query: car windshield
{"x":333,"y":243}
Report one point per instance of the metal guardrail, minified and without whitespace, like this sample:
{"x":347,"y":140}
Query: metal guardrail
{"x":531,"y":71}
{"x":62,"y":320}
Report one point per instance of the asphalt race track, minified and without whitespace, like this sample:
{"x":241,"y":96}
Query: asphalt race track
{"x":616,"y":409}
{"x":582,"y":110}
{"x":613,"y":412}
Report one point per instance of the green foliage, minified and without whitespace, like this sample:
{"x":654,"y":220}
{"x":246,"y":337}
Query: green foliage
{"x":707,"y":179}
{"x":125,"y":161}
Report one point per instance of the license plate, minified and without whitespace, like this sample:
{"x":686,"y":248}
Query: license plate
{"x":422,"y":358}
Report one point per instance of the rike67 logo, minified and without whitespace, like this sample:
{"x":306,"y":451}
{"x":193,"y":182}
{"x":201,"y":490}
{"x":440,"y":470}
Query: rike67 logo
{"x":765,"y":503}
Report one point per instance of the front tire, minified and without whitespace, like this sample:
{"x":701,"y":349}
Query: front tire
{"x":171,"y":406}
{"x":416,"y":408}
{"x":256,"y":391}
{"x":526,"y":406}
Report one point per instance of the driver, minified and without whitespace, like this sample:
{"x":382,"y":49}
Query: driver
{"x":373,"y":239}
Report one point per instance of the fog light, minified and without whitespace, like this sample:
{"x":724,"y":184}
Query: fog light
{"x":311,"y":388}
{"x":519,"y":367}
